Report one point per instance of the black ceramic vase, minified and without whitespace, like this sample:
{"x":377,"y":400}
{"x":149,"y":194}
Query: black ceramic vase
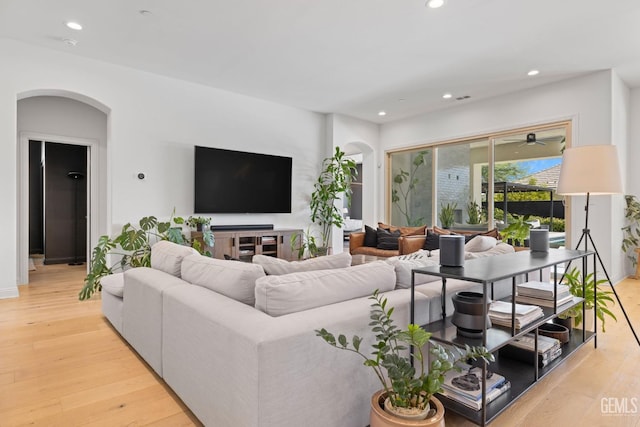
{"x":468,"y":316}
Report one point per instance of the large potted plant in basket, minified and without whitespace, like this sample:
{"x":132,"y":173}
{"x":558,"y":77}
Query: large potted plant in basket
{"x":407,"y":392}
{"x":335,"y":179}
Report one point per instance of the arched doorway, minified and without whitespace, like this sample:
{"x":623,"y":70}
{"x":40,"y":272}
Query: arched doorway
{"x":62,"y":117}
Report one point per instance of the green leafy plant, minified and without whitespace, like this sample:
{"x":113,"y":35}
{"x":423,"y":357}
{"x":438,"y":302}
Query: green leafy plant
{"x":405,"y":386}
{"x":631,"y":232}
{"x":133,"y":248}
{"x":404,"y":183}
{"x":305,"y":242}
{"x":518,"y":229}
{"x":197,"y":222}
{"x":573,"y":279}
{"x":447,"y":214}
{"x":474,"y":212}
{"x":335,"y":179}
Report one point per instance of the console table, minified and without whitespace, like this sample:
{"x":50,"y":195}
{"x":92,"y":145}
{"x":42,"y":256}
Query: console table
{"x":244,"y":244}
{"x":487,"y":271}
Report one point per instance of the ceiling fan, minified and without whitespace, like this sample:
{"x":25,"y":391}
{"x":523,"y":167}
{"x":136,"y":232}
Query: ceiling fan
{"x":532,"y":140}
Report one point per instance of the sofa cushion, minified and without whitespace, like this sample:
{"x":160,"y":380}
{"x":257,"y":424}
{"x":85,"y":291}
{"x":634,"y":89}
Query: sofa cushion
{"x":370,"y":237}
{"x":234,"y":279}
{"x":113,"y":284}
{"x":167,"y":256}
{"x":388,"y":240}
{"x":276,"y":266}
{"x":291,"y":293}
{"x":403,"y":265}
{"x":404,"y":231}
{"x":480,"y":243}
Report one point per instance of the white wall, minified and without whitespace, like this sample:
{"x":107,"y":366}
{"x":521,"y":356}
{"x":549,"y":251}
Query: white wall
{"x":586,"y":100}
{"x":153,"y":124}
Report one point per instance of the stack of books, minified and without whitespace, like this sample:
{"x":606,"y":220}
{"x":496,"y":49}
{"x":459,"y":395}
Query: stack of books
{"x":465,"y":386}
{"x":541,"y":293}
{"x":521,"y":349}
{"x":500,"y":314}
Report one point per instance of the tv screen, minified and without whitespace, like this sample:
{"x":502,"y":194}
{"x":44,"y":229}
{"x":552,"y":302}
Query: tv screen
{"x":228,"y":181}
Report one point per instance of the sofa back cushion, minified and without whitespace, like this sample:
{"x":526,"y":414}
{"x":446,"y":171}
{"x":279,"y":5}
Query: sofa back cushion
{"x":290,"y":293}
{"x":279,"y":266}
{"x":234,"y":279}
{"x":167,"y":256}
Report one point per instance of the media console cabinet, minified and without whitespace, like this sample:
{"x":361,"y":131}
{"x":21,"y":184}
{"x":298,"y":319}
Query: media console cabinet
{"x":244,"y":244}
{"x":487,"y":271}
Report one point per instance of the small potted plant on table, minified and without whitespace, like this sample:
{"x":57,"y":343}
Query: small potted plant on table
{"x":407,"y":393}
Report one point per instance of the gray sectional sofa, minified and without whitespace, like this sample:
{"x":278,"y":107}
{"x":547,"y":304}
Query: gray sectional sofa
{"x":238,"y":346}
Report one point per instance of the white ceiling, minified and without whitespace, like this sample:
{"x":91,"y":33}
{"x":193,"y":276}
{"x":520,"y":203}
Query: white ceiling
{"x":354,"y":57}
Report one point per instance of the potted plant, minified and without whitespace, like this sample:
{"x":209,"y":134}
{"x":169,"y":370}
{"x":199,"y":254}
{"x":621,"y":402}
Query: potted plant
{"x":335,"y":179}
{"x":406,"y":391}
{"x":304,"y":242}
{"x":517,"y":231}
{"x":198,"y":223}
{"x":133,"y":248}
{"x":447,"y":214}
{"x":573,"y":279}
{"x":631,"y":232}
{"x":474,"y":213}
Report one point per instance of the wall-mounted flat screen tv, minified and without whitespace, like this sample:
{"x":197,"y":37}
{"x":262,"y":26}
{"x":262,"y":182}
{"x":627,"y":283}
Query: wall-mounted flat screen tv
{"x":228,"y":181}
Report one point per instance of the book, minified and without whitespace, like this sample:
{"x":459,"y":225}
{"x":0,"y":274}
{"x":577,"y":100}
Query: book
{"x":500,"y":314}
{"x":524,"y":355}
{"x":528,"y":342}
{"x":468,"y":383}
{"x":542,"y":290}
{"x":476,"y":404}
{"x":543,"y":302}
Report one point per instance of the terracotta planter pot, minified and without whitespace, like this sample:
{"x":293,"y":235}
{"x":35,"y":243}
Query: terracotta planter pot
{"x":379,"y":418}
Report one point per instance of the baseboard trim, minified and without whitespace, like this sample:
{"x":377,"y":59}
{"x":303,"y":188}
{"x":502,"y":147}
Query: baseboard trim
{"x":6,"y":293}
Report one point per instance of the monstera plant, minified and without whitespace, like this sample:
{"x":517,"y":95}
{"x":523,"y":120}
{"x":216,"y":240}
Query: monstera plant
{"x":132,"y":247}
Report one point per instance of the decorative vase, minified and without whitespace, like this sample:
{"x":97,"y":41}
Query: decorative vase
{"x":380,"y":418}
{"x":467,"y":316}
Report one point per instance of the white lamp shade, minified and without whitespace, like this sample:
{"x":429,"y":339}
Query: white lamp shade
{"x":592,"y":169}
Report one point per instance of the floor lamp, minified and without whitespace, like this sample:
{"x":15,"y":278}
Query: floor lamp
{"x":592,"y":170}
{"x":76,"y":177}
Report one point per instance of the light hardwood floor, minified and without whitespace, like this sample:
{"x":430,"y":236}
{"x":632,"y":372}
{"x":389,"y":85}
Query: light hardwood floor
{"x":61,"y":364}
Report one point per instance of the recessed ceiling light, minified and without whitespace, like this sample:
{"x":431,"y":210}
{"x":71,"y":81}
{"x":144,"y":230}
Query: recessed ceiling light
{"x":74,"y":25}
{"x":447,"y":96}
{"x":70,"y":42}
{"x":533,"y":73}
{"x":434,"y":4}
{"x":382,"y":113}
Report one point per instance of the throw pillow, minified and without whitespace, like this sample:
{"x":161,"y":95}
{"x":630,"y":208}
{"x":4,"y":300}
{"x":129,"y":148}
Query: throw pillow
{"x":480,"y":244}
{"x":404,"y":264}
{"x":387,"y":239}
{"x":276,"y":266}
{"x":370,"y":237}
{"x":432,"y":241}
